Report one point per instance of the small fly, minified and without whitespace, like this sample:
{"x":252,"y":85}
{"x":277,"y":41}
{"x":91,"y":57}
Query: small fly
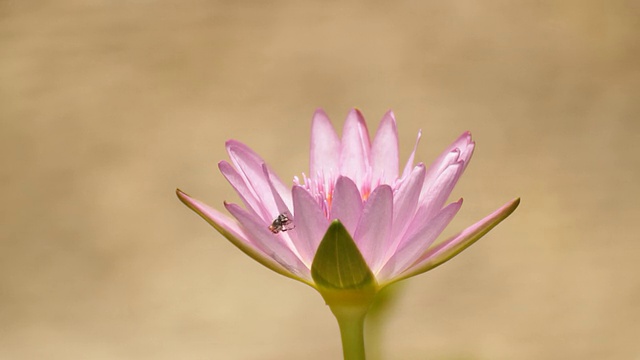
{"x":281,"y":223}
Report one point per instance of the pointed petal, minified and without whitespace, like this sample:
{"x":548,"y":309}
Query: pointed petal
{"x":237,"y":182}
{"x":460,"y":150}
{"x":456,"y":244}
{"x":467,"y":152}
{"x":284,"y":191}
{"x":249,"y":165}
{"x":289,"y":237}
{"x":374,"y":227}
{"x":355,"y":148}
{"x":347,"y":204}
{"x":277,"y":198}
{"x":464,"y":143}
{"x":269,"y":242}
{"x":417,"y":243}
{"x":405,"y":203}
{"x":437,"y":167}
{"x":255,"y":158}
{"x":434,"y":195}
{"x":409,"y":164}
{"x":325,"y":146}
{"x":235,"y":234}
{"x":310,"y":222}
{"x":384,"y":151}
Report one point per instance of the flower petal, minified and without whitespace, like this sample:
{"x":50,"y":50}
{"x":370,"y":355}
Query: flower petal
{"x":434,"y":195}
{"x":325,"y":146}
{"x":272,"y":244}
{"x":409,"y":165}
{"x":289,"y":237}
{"x":441,"y":164}
{"x":235,"y":234}
{"x":456,"y":244}
{"x":278,"y":186}
{"x":277,"y":198}
{"x":460,"y":150}
{"x":374,"y":227}
{"x":310,"y":221}
{"x":419,"y":241}
{"x":384,"y":151}
{"x":355,"y":148}
{"x":249,"y":165}
{"x":405,"y":202}
{"x":240,"y":186}
{"x":346,"y":204}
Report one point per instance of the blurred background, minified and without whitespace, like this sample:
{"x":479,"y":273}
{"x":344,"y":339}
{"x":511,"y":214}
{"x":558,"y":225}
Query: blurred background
{"x":107,"y":106}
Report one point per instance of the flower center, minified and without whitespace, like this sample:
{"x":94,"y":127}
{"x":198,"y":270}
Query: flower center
{"x":322,"y":186}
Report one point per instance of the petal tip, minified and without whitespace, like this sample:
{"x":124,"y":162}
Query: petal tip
{"x":233,"y":143}
{"x":181,"y":194}
{"x":515,"y":203}
{"x":320,"y":114}
{"x":466,"y":135}
{"x":184,"y":197}
{"x":355,"y":112}
{"x":391,"y":115}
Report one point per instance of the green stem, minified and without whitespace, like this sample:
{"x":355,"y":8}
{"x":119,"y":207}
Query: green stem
{"x":351,"y":322}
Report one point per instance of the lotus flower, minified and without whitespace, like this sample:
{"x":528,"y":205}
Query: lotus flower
{"x":353,"y":185}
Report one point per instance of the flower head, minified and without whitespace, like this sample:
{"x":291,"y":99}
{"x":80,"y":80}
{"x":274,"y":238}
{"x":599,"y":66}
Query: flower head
{"x":392,"y":218}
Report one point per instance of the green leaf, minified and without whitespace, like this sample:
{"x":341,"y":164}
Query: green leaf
{"x":338,"y":264}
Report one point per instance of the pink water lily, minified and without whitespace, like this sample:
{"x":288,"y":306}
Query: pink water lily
{"x":394,"y":218}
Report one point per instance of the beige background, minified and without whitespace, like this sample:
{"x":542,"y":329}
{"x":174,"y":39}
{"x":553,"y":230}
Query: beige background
{"x":107,"y":106}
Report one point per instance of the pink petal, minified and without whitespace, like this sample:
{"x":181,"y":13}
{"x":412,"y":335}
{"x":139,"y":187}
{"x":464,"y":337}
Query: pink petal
{"x":310,"y":223}
{"x":460,"y":150}
{"x":289,"y":237}
{"x":277,"y":198}
{"x":270,"y":243}
{"x":239,"y":185}
{"x":249,"y":165}
{"x":405,"y":202}
{"x":346,"y":204}
{"x":235,"y":234}
{"x":284,"y":192}
{"x":415,"y":245}
{"x":456,"y":244}
{"x":384,"y":151}
{"x":435,"y":195}
{"x":325,"y":146}
{"x":374,"y":227}
{"x":437,"y":167}
{"x":464,"y":143}
{"x":355,"y":149}
{"x":467,"y":152}
{"x":409,"y":164}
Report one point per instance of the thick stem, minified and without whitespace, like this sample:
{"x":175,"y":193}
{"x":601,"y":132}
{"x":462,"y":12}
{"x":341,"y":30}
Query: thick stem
{"x":378,"y":313}
{"x":351,"y":322}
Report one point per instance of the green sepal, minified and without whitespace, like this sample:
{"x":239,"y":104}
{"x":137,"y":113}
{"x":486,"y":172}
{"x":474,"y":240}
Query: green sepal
{"x":346,"y":283}
{"x":338,"y":264}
